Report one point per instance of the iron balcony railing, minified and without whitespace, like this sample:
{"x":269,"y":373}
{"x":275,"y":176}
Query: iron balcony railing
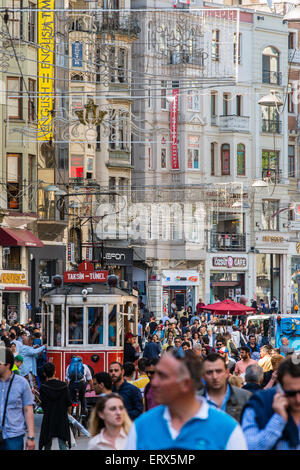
{"x":271,"y":77}
{"x":227,"y":241}
{"x":272,"y":126}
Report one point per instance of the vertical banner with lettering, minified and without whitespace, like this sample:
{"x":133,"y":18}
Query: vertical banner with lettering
{"x":45,"y":68}
{"x":173,"y":128}
{"x":76,"y":54}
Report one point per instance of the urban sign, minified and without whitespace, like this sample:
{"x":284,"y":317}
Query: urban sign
{"x":85,"y":274}
{"x":229,"y":262}
{"x":13,"y":278}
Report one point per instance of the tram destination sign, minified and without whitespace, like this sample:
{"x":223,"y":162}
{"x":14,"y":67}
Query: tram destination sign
{"x":85,"y":274}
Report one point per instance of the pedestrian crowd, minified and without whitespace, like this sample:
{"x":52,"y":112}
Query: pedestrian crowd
{"x":188,"y":381}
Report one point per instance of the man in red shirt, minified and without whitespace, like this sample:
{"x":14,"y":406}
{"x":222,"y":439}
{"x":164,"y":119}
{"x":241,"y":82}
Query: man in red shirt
{"x":241,"y":366}
{"x":199,"y":305}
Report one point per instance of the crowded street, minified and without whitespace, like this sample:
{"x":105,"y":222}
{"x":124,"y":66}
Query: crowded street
{"x":149,"y":229}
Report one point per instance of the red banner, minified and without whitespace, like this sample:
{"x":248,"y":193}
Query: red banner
{"x":173,"y":128}
{"x":85,"y":274}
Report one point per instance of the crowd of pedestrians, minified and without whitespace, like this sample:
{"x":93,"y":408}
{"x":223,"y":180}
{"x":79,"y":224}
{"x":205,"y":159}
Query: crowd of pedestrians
{"x":188,"y":381}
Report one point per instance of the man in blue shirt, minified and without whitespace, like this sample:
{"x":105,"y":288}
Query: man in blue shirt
{"x":183,"y":420}
{"x":131,"y":395}
{"x":271,"y":419}
{"x":19,"y":411}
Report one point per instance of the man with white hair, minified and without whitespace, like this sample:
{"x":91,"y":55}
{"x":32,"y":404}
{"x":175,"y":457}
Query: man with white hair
{"x":254,"y":376}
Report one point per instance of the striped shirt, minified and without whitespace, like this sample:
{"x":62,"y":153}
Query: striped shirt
{"x":265,"y":439}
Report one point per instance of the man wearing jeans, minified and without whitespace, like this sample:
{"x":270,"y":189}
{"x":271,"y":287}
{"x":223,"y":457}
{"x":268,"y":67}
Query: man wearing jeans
{"x":19,"y":410}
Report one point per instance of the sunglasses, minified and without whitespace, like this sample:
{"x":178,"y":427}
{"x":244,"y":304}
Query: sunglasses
{"x":151,"y":372}
{"x":291,"y":393}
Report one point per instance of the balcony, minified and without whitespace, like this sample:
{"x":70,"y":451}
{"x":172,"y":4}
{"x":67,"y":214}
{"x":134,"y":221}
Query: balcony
{"x":273,"y":78}
{"x":227,"y":241}
{"x":11,"y":266}
{"x":119,"y":159}
{"x":273,"y":174}
{"x":233,"y":123}
{"x":271,"y":126}
{"x":122,"y":22}
{"x":294,"y":56}
{"x":214,"y":120}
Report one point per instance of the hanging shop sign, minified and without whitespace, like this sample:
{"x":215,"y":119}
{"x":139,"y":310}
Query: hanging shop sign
{"x":45,"y":68}
{"x":85,"y":274}
{"x":173,"y":129}
{"x":229,"y":262}
{"x":76,"y":54}
{"x":180,"y":278}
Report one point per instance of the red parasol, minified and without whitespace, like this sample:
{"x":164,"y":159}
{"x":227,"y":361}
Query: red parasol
{"x":228,"y":307}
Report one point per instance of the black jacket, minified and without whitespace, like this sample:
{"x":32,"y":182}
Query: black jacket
{"x":55,"y":398}
{"x":130,"y":354}
{"x":252,"y":387}
{"x":132,"y":398}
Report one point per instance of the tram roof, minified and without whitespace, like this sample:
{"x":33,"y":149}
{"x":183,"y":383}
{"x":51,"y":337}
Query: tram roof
{"x":98,"y":289}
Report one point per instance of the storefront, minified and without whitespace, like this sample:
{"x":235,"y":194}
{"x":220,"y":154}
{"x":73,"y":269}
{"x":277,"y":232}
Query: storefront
{"x":228,"y":277}
{"x":14,"y":291}
{"x":272,"y":269}
{"x":295,"y":281}
{"x":182,"y":286}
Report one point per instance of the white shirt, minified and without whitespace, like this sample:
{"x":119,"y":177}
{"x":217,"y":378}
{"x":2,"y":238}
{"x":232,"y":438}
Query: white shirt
{"x":87,"y":373}
{"x":99,"y":442}
{"x":235,"y":442}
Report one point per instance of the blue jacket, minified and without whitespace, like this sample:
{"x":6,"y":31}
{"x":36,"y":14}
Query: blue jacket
{"x":152,"y":350}
{"x":262,"y":403}
{"x":132,"y":398}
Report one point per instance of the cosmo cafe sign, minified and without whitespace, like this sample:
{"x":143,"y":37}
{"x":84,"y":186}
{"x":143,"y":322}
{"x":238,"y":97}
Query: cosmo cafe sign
{"x":85,"y":274}
{"x":230,"y":262}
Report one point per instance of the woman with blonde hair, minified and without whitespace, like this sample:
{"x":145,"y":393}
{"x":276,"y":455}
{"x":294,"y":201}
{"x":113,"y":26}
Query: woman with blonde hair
{"x":109,"y":424}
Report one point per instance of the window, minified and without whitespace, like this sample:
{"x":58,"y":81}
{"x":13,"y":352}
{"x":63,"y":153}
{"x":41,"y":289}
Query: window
{"x":270,"y":120}
{"x":95,"y":325}
{"x":291,"y":155}
{"x":270,"y":221}
{"x":237,"y":48}
{"x":31,"y":100}
{"x":193,"y":152}
{"x":163,"y":99}
{"x":239,"y":105}
{"x":149,"y":33}
{"x":76,"y":100}
{"x":122,"y":65}
{"x":226,"y":98}
{"x":149,"y":158}
{"x":31,"y":22}
{"x":113,"y":130}
{"x":241,"y":160}
{"x":75,"y":325}
{"x":163,"y":153}
{"x":212,"y":158}
{"x":213,"y":107}
{"x":270,"y":66}
{"x":112,"y":325}
{"x":292,"y":40}
{"x":215,"y":52}
{"x":13,"y":178}
{"x":14,"y":98}
{"x":270,"y":162}
{"x":290,"y":97}
{"x":31,"y":179}
{"x":76,"y":166}
{"x":15,"y":23}
{"x":193,"y":100}
{"x":225,"y":159}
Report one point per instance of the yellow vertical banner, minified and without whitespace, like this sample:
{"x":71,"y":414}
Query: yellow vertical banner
{"x":46,"y":33}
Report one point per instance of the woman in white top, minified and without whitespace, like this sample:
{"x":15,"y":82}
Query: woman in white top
{"x":109,"y":424}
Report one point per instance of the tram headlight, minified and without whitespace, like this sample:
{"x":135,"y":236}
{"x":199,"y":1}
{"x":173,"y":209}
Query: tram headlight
{"x":84,"y":294}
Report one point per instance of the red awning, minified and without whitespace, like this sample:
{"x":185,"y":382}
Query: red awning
{"x":18,"y":237}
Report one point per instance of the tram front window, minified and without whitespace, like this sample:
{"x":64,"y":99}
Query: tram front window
{"x":57,"y":325}
{"x":112,"y":325}
{"x":75,"y":325}
{"x":95,"y":325}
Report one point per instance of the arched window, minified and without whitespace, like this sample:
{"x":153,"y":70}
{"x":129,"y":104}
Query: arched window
{"x":270,"y":66}
{"x":241,"y":160}
{"x":225,"y":159}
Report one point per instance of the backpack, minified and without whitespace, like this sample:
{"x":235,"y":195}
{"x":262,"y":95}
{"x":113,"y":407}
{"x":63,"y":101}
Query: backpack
{"x":76,"y":370}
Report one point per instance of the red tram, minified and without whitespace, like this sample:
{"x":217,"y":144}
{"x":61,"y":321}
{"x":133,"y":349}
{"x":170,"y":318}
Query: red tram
{"x":89,"y":320}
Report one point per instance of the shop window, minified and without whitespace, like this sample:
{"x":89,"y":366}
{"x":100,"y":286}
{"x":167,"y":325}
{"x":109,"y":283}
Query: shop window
{"x":112,"y":325}
{"x":241,"y":160}
{"x":75,"y":325}
{"x":267,"y":277}
{"x":95,"y":325}
{"x":270,"y":216}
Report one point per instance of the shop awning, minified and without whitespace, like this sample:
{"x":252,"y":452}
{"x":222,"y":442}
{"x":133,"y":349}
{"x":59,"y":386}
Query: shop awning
{"x":18,"y":237}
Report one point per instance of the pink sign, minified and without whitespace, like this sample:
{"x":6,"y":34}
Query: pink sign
{"x":173,"y":128}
